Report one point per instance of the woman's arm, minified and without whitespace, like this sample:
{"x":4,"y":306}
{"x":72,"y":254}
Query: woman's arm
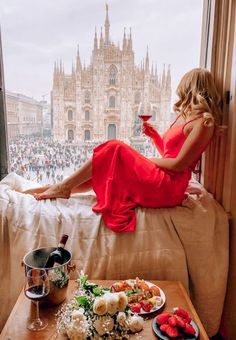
{"x":149,"y":131}
{"x":196,"y":141}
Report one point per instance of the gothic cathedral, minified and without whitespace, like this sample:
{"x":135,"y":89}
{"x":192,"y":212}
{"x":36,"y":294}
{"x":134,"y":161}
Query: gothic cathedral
{"x":100,"y":101}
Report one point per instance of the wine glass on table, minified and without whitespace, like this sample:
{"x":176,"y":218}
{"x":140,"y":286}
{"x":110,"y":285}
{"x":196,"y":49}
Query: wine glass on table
{"x":144,"y":111}
{"x":37,"y":286}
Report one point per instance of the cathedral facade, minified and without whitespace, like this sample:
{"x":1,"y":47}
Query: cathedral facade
{"x":100,"y":101}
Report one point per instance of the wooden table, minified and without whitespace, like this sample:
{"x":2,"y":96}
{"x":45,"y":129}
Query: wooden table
{"x":15,"y":327}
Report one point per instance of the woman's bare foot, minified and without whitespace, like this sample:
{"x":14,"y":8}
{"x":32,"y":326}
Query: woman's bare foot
{"x":36,"y":190}
{"x":54,"y":191}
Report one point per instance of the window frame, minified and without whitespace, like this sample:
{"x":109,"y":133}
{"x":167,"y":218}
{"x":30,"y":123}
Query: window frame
{"x":4,"y":146}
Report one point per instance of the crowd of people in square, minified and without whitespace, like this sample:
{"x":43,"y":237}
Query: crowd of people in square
{"x":45,"y":161}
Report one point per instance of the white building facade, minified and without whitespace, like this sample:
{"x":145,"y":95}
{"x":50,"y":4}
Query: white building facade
{"x":100,"y":101}
{"x":24,"y":116}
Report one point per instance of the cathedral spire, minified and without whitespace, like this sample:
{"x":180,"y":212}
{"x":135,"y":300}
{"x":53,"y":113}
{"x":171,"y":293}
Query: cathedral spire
{"x":107,"y":27}
{"x":168,"y":79}
{"x":55,"y":73}
{"x":130,"y":44}
{"x":147,"y":62}
{"x":124,"y":41}
{"x":101,"y":40}
{"x":95,"y":44}
{"x":73,"y":68}
{"x":61,"y":68}
{"x":78,"y":62}
{"x":163,"y":79}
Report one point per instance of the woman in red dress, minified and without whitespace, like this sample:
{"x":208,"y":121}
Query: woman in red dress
{"x":123,"y":179}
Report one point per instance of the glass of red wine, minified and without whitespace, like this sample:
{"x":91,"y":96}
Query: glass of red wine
{"x":145,"y":111}
{"x":37,"y":286}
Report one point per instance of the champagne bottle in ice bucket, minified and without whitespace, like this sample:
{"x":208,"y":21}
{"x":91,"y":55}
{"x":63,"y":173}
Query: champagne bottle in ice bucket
{"x":55,"y":258}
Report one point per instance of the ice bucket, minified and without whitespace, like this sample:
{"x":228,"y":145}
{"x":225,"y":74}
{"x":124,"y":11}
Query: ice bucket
{"x":58,"y":276}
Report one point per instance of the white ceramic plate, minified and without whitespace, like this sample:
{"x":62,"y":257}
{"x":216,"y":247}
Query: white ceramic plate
{"x":150,"y":284}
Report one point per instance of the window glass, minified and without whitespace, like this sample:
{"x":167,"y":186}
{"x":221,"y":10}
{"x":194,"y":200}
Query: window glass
{"x":113,"y":75}
{"x":70,"y":115}
{"x":59,"y":66}
{"x":87,"y":115}
{"x":87,"y":135}
{"x":112,"y":102}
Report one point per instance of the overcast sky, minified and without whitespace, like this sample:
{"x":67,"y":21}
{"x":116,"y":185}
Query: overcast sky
{"x":35,"y":33}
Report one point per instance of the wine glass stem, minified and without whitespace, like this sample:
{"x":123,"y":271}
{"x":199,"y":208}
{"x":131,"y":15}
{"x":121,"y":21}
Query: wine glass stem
{"x":37,"y":312}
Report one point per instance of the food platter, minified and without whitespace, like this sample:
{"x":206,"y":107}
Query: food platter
{"x":163,"y":336}
{"x":143,"y":296}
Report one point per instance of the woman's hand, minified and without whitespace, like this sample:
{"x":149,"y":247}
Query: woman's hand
{"x":148,"y":130}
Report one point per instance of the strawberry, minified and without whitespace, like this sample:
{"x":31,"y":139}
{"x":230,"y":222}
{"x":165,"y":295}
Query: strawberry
{"x":172,"y":321}
{"x":180,"y":322}
{"x":181,"y":312}
{"x":146,"y":306}
{"x":164,"y":327}
{"x":135,"y":307}
{"x":162,"y":318}
{"x":189,"y":329}
{"x":172,"y":332}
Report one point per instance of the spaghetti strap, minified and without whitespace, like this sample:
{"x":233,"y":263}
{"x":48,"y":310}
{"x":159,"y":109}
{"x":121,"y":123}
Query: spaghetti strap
{"x":175,"y":120}
{"x":189,"y":121}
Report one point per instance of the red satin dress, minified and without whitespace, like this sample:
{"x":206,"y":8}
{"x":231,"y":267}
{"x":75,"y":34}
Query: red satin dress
{"x":123,"y":179}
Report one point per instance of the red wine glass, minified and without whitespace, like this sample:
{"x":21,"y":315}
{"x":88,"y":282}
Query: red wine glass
{"x":37,"y":286}
{"x":145,"y":111}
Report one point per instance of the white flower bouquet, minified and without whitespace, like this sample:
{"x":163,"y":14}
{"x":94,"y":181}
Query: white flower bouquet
{"x":96,"y":313}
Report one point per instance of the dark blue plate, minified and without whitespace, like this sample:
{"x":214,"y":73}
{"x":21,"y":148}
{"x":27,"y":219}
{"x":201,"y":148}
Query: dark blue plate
{"x":163,"y":336}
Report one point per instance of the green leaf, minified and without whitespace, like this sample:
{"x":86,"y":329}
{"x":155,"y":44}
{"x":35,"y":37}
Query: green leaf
{"x":97,"y":291}
{"x":83,"y":280}
{"x":81,"y":300}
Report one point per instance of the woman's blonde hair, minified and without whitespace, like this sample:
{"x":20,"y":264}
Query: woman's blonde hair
{"x":198,"y":95}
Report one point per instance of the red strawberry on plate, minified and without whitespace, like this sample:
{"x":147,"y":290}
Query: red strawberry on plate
{"x":180,"y":322}
{"x":181,"y":312}
{"x":162,"y":318}
{"x":164,"y":327}
{"x":172,"y":332}
{"x":189,"y":329}
{"x":172,"y":321}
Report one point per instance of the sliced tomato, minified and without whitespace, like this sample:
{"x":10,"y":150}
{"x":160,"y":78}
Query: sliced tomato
{"x":135,"y":307}
{"x":146,"y":306}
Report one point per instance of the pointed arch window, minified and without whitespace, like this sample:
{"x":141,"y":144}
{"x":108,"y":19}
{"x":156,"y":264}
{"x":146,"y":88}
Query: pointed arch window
{"x":113,"y":75}
{"x":112,"y":101}
{"x":87,"y":98}
{"x":70,"y":115}
{"x":87,"y":115}
{"x":87,"y":135}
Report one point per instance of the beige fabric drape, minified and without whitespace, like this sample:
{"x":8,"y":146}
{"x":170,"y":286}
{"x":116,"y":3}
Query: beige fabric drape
{"x":187,"y":243}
